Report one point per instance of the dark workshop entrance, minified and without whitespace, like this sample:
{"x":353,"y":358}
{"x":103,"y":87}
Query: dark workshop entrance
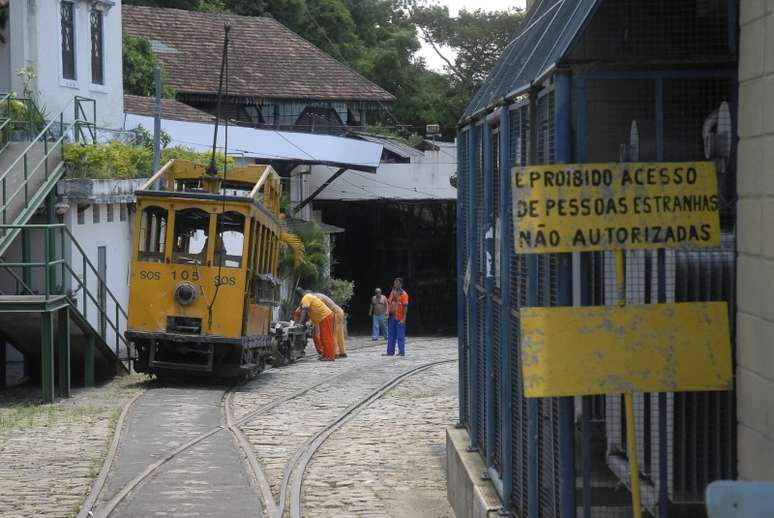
{"x":388,"y":239}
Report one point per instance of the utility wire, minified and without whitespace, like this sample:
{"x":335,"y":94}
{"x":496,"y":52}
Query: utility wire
{"x":214,"y":171}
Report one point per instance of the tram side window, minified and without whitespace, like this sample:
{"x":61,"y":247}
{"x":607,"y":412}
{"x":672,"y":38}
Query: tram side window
{"x":230,"y":245}
{"x":153,"y":232}
{"x":192,"y":227}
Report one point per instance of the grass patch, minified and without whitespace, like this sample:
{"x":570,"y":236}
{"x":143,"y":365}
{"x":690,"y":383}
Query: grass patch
{"x":26,"y":416}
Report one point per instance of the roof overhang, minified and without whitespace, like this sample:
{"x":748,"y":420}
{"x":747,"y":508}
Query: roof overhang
{"x":271,"y":146}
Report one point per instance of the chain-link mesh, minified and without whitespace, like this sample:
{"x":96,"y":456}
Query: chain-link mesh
{"x":496,"y":378}
{"x":518,"y":287}
{"x":686,"y":30}
{"x":463,"y":233}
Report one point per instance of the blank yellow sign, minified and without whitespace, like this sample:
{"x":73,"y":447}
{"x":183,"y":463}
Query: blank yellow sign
{"x":612,"y":350}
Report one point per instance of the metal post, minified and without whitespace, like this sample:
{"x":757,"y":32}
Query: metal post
{"x":3,"y":361}
{"x":51,"y":241}
{"x":586,"y":299}
{"x":47,"y":355}
{"x":63,"y":351}
{"x":157,"y":123}
{"x":101,"y":290}
{"x":89,"y":361}
{"x":47,"y":253}
{"x":461,"y":338}
{"x":533,"y":408}
{"x":115,"y":324}
{"x":26,"y":178}
{"x":475,"y":410}
{"x":26,"y":258}
{"x":663,"y":471}
{"x":506,"y":340}
{"x":489,"y":248}
{"x":563,"y":128}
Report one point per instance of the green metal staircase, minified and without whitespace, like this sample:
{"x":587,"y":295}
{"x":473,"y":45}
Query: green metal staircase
{"x":49,"y":287}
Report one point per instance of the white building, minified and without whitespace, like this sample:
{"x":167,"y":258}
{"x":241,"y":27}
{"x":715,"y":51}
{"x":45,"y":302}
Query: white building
{"x":59,"y":49}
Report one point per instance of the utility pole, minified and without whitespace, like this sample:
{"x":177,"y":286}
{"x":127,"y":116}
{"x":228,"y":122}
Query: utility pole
{"x":157,"y":123}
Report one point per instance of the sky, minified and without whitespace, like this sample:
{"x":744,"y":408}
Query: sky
{"x":431,"y":58}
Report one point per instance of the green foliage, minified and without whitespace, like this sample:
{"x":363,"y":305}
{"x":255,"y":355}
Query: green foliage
{"x":147,"y":136}
{"x":340,"y":290}
{"x":117,"y":160}
{"x":139,"y":69}
{"x":304,"y":265}
{"x":308,"y":272}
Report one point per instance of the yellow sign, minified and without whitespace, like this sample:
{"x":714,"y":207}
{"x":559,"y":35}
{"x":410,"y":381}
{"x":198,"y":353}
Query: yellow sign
{"x":590,"y":207}
{"x":569,"y":351}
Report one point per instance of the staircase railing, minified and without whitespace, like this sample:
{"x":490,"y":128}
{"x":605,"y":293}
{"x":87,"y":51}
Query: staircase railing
{"x":52,"y":137}
{"x":68,"y":274}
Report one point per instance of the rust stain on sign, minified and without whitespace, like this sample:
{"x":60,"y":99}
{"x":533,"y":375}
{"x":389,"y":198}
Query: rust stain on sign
{"x":588,"y":207}
{"x":638,"y":348}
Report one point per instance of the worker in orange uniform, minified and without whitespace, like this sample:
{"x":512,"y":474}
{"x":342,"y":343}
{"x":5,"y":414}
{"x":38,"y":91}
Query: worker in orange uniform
{"x":314,"y":309}
{"x":338,"y":327}
{"x":397,"y":304}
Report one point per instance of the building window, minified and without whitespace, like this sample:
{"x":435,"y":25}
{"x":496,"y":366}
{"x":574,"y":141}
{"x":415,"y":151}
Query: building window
{"x":121,"y":212}
{"x":109,"y":212}
{"x":81,"y":213}
{"x":67,"y":13}
{"x":97,"y":47}
{"x":95,"y":213}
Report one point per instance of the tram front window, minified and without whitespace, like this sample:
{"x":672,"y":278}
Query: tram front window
{"x":153,"y":232}
{"x":231,"y":239}
{"x":192,"y":228}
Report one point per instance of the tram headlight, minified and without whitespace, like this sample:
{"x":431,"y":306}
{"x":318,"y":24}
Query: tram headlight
{"x":185,"y":294}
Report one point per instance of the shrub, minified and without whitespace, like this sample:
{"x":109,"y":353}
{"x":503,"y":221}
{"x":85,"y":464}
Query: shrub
{"x":118,"y":160}
{"x":341,"y":290}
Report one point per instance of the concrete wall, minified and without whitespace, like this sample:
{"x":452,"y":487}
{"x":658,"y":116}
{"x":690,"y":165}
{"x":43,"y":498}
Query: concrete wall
{"x":422,"y":179}
{"x":113,"y":231}
{"x":755,"y":269}
{"x":35,"y":41}
{"x":5,"y":59}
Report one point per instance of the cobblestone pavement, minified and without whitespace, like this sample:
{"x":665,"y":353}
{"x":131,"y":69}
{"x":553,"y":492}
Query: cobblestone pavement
{"x":351,"y":490}
{"x":390,"y":460}
{"x":50,"y":454}
{"x":386,"y":461}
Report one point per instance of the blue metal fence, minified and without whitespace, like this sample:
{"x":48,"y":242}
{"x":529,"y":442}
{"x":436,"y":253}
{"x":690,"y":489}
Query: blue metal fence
{"x":530,"y":445}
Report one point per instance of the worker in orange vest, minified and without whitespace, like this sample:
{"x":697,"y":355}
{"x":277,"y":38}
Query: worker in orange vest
{"x":338,"y":325}
{"x":314,"y":309}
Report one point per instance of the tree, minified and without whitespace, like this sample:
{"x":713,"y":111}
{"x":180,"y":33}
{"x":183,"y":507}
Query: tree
{"x":477,"y":39}
{"x":139,"y":69}
{"x":380,"y":39}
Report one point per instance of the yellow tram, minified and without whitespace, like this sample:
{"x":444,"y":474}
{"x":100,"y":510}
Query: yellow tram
{"x":203,"y":283}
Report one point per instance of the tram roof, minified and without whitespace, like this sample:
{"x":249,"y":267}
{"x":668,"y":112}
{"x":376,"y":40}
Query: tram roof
{"x":271,"y":145}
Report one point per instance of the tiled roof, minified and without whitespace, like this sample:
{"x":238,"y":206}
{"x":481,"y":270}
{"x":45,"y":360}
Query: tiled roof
{"x":170,"y":109}
{"x":265,"y":58}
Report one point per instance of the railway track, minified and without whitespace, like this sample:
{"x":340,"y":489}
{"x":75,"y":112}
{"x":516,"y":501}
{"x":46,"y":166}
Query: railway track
{"x":290,"y":488}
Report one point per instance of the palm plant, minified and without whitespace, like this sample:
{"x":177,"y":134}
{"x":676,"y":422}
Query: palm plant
{"x":304,"y":261}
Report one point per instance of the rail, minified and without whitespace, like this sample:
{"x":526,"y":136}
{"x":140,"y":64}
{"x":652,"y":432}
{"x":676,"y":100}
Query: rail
{"x":51,"y":140}
{"x":68,"y":276}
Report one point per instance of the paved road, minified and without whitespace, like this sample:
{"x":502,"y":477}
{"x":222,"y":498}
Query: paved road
{"x":386,"y":461}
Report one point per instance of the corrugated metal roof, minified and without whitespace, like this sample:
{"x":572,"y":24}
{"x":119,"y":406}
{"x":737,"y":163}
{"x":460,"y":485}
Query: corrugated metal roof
{"x":390,"y":144}
{"x":546,"y":36}
{"x":271,"y":145}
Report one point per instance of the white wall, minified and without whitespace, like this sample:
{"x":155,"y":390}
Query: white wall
{"x":424,"y":178}
{"x":755,"y":266}
{"x":5,"y":59}
{"x":35,"y":41}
